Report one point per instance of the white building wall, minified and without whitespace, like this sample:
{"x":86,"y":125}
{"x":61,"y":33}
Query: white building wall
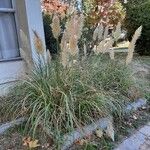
{"x":35,"y":22}
{"x":13,"y":70}
{"x":10,"y":72}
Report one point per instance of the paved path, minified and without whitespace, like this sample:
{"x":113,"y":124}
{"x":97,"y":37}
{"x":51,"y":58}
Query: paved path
{"x":139,"y":141}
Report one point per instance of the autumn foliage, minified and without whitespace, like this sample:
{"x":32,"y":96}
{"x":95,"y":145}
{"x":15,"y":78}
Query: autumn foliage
{"x":105,"y":11}
{"x":54,"y":6}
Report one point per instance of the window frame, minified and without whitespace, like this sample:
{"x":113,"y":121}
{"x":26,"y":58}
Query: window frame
{"x":13,"y":11}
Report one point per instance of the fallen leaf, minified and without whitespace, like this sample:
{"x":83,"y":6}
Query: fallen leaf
{"x":34,"y":144}
{"x":99,"y":133}
{"x":27,"y":141}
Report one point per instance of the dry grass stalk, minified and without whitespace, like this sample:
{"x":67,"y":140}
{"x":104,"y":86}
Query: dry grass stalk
{"x":131,"y":48}
{"x":38,"y":43}
{"x":56,"y":26}
{"x":100,"y":47}
{"x":109,"y":44}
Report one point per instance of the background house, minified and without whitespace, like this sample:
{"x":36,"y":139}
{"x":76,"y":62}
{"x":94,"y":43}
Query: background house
{"x":16,"y":16}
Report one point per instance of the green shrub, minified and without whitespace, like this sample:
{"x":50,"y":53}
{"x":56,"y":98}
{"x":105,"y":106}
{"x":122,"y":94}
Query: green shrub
{"x":62,"y":99}
{"x":137,"y":14}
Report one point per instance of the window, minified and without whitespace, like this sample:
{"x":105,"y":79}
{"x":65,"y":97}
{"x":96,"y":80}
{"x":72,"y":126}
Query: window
{"x":8,"y":33}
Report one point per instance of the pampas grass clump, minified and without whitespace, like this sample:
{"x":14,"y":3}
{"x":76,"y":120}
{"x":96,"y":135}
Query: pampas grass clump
{"x":60,"y":97}
{"x":132,"y":45}
{"x":79,"y":96}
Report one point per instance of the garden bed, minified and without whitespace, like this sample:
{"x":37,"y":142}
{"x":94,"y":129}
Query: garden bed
{"x":105,"y":141}
{"x":13,"y":139}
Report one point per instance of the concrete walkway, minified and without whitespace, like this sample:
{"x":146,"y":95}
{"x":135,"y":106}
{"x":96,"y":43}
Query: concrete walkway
{"x":139,"y":141}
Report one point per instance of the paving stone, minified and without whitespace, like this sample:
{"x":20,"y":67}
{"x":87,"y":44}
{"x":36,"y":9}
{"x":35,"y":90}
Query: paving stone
{"x":132,"y":143}
{"x":145,"y":145}
{"x":138,"y":141}
{"x":145,"y":130}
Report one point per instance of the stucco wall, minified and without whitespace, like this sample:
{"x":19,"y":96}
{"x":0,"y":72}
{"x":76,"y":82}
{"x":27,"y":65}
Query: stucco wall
{"x":10,"y":72}
{"x":29,"y":18}
{"x":35,"y":22}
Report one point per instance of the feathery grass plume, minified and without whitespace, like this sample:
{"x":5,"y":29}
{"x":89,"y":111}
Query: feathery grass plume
{"x":117,"y":32}
{"x":70,"y":30}
{"x":56,"y":26}
{"x":73,"y":45}
{"x":106,"y":32}
{"x":24,"y":51}
{"x":80,"y":25}
{"x":38,"y":43}
{"x":108,"y":44}
{"x":76,"y":32}
{"x":100,"y":47}
{"x":98,"y":32}
{"x":72,"y":33}
{"x":65,"y":55}
{"x":104,"y":46}
{"x":131,"y":48}
{"x":64,"y":40}
{"x":64,"y":46}
{"x":71,"y":9}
